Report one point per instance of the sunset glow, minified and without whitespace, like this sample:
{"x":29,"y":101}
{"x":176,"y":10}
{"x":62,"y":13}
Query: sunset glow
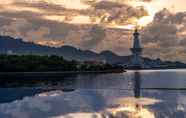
{"x":151,"y":7}
{"x":71,"y":21}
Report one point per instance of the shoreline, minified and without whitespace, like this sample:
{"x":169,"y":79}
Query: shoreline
{"x":57,"y":74}
{"x":89,"y":72}
{"x":156,"y":69}
{"x":65,"y":72}
{"x":61,"y":74}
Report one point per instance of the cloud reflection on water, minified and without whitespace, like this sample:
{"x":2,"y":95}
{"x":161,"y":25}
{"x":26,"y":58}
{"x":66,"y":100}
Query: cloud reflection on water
{"x":101,"y":103}
{"x":58,"y":104}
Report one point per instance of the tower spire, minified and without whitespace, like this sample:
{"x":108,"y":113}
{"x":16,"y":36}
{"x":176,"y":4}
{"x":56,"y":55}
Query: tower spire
{"x":136,"y":29}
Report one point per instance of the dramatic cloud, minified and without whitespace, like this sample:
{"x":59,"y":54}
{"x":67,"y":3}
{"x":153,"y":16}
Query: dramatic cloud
{"x":95,"y":36}
{"x":166,"y":35}
{"x":146,"y":0}
{"x":56,"y":23}
{"x":97,"y":24}
{"x":114,"y":13}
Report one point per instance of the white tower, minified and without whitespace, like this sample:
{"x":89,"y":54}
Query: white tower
{"x":136,"y":51}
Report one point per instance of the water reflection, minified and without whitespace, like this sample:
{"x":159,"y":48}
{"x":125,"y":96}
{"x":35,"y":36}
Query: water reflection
{"x":133,"y":107}
{"x":137,"y":84}
{"x":107,"y":96}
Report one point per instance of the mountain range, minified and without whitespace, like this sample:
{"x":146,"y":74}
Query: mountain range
{"x":18,"y":46}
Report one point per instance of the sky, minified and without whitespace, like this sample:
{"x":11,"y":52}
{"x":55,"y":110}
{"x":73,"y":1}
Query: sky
{"x":99,"y":25}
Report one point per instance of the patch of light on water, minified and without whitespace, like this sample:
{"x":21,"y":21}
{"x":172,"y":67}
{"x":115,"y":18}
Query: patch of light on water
{"x":128,"y":107}
{"x":51,"y":94}
{"x":158,"y":70}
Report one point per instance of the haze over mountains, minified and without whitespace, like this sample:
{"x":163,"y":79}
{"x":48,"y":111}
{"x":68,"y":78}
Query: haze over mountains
{"x":18,"y":46}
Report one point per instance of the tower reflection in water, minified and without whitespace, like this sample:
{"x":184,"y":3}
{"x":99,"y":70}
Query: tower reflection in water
{"x":136,"y":106}
{"x":137,"y":84}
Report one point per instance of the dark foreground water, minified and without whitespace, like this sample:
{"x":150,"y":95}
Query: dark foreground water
{"x":134,"y":94}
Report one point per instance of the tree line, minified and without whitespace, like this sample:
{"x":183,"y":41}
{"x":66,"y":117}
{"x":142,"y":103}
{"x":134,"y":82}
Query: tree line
{"x":36,"y":63}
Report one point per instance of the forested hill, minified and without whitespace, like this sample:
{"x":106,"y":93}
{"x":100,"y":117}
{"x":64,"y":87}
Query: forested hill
{"x":18,"y":46}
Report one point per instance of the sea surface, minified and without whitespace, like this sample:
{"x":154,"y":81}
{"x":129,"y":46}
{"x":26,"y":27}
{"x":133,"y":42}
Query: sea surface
{"x":132,"y":94}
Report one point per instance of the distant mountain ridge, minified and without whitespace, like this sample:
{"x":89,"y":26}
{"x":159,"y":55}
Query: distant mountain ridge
{"x":18,"y":46}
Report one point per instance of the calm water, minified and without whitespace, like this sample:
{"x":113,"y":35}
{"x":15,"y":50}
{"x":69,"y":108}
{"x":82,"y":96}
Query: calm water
{"x":134,"y":94}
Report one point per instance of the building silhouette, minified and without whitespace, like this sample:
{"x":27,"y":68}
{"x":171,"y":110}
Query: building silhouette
{"x":136,"y":61}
